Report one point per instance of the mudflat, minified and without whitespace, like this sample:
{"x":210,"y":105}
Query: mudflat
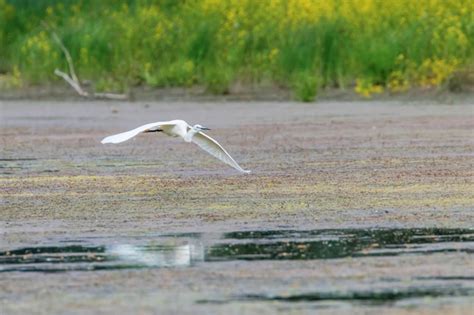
{"x":351,"y":207}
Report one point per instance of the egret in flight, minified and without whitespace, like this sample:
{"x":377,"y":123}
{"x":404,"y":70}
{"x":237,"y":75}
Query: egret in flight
{"x":180,"y":128}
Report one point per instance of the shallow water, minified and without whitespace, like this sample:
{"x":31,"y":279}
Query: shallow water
{"x":179,"y":250}
{"x":369,"y":297}
{"x":94,"y":254}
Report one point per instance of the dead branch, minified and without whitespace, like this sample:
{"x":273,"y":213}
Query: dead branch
{"x":111,"y":96}
{"x":72,"y":79}
{"x":71,"y":82}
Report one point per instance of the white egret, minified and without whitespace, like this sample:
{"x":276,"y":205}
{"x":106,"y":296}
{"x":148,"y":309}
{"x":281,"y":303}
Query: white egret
{"x":180,"y":128}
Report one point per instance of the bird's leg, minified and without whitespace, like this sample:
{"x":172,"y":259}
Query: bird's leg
{"x":156,"y":130}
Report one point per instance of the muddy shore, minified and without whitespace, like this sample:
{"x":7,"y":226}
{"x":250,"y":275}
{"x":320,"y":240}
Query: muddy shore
{"x":328,"y":165}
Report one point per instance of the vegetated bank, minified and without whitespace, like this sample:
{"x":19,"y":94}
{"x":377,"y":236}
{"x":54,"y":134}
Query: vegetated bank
{"x":302,"y":45}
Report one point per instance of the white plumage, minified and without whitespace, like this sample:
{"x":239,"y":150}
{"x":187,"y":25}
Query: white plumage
{"x":180,"y":128}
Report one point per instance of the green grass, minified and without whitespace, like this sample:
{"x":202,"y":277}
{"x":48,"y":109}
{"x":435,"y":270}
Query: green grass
{"x":391,"y":45}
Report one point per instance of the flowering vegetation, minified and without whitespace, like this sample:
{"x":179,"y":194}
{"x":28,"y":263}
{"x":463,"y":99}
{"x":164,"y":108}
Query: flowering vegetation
{"x":305,"y":45}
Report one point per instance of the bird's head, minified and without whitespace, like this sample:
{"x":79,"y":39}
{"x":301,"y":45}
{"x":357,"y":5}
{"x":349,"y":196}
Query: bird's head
{"x":200,"y":128}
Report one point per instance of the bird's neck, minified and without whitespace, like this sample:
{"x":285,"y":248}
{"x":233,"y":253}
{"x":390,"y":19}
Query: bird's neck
{"x":190,"y":134}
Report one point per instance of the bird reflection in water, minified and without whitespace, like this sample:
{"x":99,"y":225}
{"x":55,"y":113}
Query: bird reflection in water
{"x":157,"y":255}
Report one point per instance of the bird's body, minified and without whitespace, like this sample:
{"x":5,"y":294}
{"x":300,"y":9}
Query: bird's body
{"x":180,"y":128}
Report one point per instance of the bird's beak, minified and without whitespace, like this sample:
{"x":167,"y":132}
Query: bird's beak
{"x":205,"y":128}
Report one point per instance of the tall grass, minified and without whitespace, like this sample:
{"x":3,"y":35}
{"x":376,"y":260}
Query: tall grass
{"x":369,"y":45}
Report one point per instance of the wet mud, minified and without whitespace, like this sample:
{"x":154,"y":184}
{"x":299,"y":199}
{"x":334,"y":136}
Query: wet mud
{"x":352,"y":207}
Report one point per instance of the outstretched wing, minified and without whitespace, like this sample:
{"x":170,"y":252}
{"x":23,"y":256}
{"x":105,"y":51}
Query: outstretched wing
{"x":124,"y":136}
{"x":212,"y":147}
